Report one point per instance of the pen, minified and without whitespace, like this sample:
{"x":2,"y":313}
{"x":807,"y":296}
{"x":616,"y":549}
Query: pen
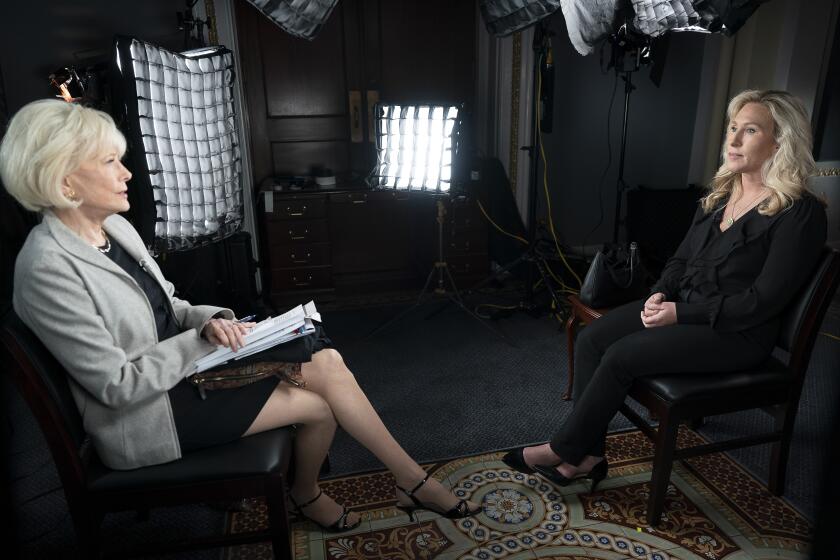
{"x":245,"y":319}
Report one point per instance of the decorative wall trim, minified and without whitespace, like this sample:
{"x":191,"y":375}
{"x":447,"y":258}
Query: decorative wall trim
{"x":212,"y":31}
{"x":513,"y":148}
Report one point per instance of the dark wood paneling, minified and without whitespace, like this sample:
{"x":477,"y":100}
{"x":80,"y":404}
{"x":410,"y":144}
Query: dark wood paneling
{"x":304,"y":78}
{"x":298,"y":158}
{"x":428,"y":51}
{"x":304,"y":129}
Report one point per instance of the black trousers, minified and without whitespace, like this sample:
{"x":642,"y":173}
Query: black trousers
{"x":617,"y":348}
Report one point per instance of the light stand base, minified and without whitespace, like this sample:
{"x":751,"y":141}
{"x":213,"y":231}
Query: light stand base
{"x":440,"y":269}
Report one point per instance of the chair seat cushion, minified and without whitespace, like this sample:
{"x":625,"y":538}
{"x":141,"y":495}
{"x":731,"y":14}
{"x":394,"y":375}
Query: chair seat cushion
{"x":258,"y":454}
{"x":771,"y":380}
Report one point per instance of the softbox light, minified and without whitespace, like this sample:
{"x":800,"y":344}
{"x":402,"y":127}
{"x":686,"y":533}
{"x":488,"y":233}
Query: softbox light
{"x":416,"y":146}
{"x":504,"y":17}
{"x":177,"y":112}
{"x":301,"y":18}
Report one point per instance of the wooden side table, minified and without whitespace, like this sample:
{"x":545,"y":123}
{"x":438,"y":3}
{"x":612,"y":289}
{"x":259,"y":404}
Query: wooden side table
{"x":585,"y":314}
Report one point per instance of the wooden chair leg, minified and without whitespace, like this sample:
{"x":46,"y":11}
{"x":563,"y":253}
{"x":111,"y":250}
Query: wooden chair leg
{"x":666,"y":442}
{"x":570,"y":344}
{"x":278,"y":518}
{"x":779,"y":454}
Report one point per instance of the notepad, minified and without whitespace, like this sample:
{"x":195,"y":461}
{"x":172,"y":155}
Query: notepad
{"x":294,"y":323}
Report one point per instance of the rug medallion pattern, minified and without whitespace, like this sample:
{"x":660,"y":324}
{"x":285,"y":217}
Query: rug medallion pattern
{"x":714,"y":510}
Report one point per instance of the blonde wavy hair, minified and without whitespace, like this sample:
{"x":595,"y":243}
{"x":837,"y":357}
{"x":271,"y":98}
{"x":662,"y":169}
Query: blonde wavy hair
{"x":786,"y":173}
{"x":47,"y":140}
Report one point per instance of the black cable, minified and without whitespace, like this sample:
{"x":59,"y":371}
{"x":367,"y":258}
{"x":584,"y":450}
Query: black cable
{"x":606,"y":168}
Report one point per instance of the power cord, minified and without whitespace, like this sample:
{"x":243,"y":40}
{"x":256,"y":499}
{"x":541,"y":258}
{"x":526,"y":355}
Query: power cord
{"x":545,"y":188}
{"x":606,"y":168}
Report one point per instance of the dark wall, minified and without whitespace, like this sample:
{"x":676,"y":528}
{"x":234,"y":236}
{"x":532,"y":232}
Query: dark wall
{"x":38,"y":37}
{"x":827,"y":130}
{"x":660,"y":131}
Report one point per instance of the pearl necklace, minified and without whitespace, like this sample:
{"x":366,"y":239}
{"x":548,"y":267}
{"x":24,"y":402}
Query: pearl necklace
{"x":733,"y":212}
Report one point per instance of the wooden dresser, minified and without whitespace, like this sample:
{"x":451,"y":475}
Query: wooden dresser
{"x":343,"y":242}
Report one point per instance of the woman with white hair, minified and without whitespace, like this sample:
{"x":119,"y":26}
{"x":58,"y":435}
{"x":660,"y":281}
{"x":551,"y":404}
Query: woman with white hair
{"x":753,"y":242}
{"x":87,"y":287}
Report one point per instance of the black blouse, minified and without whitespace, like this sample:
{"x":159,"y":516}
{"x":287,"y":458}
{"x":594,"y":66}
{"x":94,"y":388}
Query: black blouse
{"x":167,"y":325}
{"x":741,"y":279}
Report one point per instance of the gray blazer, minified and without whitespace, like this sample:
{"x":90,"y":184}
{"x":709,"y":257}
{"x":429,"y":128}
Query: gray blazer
{"x":98,"y":323}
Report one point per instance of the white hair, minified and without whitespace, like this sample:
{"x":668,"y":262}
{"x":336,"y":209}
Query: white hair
{"x":47,"y":140}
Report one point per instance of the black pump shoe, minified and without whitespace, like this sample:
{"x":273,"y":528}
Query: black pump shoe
{"x":597,"y":474}
{"x":515,"y":459}
{"x":340,"y":524}
{"x":458,"y":511}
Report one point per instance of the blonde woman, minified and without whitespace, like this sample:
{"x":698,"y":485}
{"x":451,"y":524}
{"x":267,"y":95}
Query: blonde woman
{"x":754,"y":240}
{"x":87,"y":287}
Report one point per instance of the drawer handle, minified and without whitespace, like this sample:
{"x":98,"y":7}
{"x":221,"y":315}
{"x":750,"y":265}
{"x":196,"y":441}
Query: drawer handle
{"x":297,"y":237}
{"x":308,"y":281}
{"x":359,"y":201}
{"x":301,"y":213}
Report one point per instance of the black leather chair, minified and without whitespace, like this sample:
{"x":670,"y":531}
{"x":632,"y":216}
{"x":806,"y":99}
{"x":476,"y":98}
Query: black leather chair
{"x":250,"y":467}
{"x":775,"y":387}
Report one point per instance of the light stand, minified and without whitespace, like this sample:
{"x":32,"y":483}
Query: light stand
{"x":532,"y":255}
{"x":640,"y":54}
{"x":440,"y":269}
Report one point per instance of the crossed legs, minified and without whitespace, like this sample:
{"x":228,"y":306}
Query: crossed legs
{"x":332,"y":397}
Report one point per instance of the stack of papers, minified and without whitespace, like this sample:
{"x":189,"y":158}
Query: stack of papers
{"x":266,"y":334}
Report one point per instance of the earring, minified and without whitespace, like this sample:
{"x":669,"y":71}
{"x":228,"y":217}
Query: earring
{"x":71,"y":195}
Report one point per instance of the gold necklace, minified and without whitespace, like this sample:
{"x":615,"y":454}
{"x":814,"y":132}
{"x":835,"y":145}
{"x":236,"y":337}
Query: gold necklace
{"x":732,"y":213}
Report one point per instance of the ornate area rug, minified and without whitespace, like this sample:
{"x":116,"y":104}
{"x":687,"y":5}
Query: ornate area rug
{"x":714,"y":510}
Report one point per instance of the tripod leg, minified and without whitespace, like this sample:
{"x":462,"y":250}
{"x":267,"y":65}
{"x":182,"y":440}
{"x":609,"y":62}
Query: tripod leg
{"x":455,"y":297}
{"x":406,"y":311}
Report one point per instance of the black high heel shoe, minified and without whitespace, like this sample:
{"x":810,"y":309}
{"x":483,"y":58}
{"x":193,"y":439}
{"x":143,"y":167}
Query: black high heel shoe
{"x":515,"y":459}
{"x":597,"y":474}
{"x":458,"y":511}
{"x":340,"y":524}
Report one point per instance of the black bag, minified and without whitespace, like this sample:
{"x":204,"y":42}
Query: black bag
{"x":615,"y":276}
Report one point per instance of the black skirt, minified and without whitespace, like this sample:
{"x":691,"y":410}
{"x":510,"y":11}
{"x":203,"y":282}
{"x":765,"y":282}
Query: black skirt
{"x":226,"y":414}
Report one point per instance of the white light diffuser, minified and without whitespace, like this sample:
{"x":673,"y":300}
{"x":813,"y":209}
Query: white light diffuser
{"x":185,"y":123}
{"x":415,"y":145}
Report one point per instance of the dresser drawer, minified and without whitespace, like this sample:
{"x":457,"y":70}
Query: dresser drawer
{"x":296,"y":231}
{"x":465,"y":242}
{"x":305,"y":278}
{"x":296,"y":208}
{"x":300,"y":254}
{"x":468,"y":265}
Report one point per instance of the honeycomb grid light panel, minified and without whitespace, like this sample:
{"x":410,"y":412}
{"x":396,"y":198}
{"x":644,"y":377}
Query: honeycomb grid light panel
{"x":415,"y":147}
{"x":186,"y":122}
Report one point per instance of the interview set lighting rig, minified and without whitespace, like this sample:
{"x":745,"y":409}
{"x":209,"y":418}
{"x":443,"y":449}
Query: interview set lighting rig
{"x":420,"y":148}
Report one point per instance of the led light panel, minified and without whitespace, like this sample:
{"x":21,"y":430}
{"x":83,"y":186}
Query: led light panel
{"x":183,"y":142}
{"x":415,"y":147}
